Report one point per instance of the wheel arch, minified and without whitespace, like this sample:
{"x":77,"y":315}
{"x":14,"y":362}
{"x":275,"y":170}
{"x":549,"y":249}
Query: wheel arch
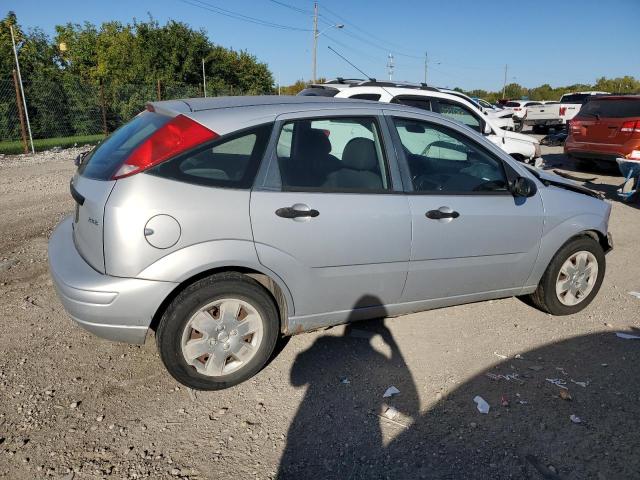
{"x":268,"y":280}
{"x":549,"y":251}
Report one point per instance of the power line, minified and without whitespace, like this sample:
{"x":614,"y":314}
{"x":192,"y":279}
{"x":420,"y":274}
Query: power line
{"x":291,"y":7}
{"x":239,"y":16}
{"x":395,"y":46}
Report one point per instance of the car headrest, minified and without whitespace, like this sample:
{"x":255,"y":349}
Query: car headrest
{"x":316,"y":142}
{"x":360,"y":154}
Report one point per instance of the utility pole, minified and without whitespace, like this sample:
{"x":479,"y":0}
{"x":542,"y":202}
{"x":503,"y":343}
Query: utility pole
{"x":504,"y":86}
{"x":315,"y":40}
{"x":390,"y":66}
{"x":426,"y":66}
{"x":204,"y":80}
{"x":24,"y":100}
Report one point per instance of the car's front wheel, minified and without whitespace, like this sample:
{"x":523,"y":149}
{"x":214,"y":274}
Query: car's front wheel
{"x":218,"y":332}
{"x":572,"y":279}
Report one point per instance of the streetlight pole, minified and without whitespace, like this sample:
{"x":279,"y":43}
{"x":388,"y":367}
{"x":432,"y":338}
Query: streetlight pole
{"x":204,"y":80}
{"x":504,"y":86}
{"x":316,"y":34}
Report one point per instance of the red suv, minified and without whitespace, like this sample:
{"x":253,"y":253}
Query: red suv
{"x":606,"y":128}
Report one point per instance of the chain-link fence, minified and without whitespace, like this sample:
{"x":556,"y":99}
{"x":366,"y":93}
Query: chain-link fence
{"x":70,"y":111}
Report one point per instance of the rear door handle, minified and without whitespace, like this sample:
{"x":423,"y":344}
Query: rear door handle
{"x":291,"y":212}
{"x":439,"y":214}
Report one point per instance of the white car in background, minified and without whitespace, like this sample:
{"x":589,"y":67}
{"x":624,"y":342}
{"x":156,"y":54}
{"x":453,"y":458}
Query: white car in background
{"x":501,"y":117}
{"x":446,"y":102}
{"x":519,"y":109}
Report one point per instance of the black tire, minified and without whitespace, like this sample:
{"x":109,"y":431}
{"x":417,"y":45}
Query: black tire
{"x":545,"y":297}
{"x":189,"y":301}
{"x":518,"y":126}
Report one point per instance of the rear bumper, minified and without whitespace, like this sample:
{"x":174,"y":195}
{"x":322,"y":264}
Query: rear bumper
{"x":600,"y":151}
{"x":543,"y":122}
{"x":119,"y":309}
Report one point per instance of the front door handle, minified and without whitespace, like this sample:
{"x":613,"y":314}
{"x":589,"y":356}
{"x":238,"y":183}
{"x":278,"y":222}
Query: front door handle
{"x":439,"y":214}
{"x":291,"y":212}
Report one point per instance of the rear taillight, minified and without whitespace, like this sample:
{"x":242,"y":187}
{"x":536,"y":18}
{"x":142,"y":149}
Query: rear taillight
{"x":575,"y":126}
{"x":562,"y":111}
{"x":630,"y":126}
{"x":178,"y":135}
{"x":517,"y":109}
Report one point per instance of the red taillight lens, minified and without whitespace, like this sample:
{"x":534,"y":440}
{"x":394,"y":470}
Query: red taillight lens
{"x":575,"y":126}
{"x":630,"y":126}
{"x":562,"y":110}
{"x":517,"y":109}
{"x":177,"y":136}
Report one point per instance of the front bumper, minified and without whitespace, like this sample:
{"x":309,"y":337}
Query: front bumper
{"x":119,"y":309}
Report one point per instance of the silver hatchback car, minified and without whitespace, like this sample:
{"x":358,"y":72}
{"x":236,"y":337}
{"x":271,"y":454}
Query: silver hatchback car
{"x":225,"y":223}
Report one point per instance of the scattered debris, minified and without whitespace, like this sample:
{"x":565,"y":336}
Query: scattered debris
{"x":635,"y":294}
{"x":627,"y":336}
{"x":345,"y":381}
{"x":390,"y":413}
{"x":575,"y":419}
{"x":508,"y":377}
{"x":499,"y":355}
{"x":558,"y":382}
{"x":504,"y":401}
{"x":518,"y":356}
{"x":582,"y":384}
{"x":562,"y":371}
{"x":546,"y":472}
{"x":535,"y":368}
{"x":565,"y":395}
{"x":482,"y":405}
{"x":395,"y":422}
{"x":390,"y":392}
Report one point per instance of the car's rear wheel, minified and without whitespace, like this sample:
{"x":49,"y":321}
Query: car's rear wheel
{"x":572,"y":279}
{"x":218,"y":332}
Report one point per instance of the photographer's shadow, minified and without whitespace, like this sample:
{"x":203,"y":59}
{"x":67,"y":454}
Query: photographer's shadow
{"x":336,"y":432}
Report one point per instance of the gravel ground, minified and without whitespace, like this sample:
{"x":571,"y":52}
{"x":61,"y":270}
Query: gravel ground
{"x":74,"y":406}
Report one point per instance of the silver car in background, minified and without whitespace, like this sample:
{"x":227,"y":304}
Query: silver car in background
{"x":226,"y":223}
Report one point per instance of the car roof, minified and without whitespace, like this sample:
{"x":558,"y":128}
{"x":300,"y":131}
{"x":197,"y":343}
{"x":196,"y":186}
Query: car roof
{"x":610,"y":98}
{"x":211,"y":103}
{"x":228,"y":114}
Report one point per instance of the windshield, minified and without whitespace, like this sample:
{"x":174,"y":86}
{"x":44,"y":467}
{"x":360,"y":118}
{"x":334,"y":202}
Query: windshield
{"x":512,"y":104}
{"x":577,"y":98}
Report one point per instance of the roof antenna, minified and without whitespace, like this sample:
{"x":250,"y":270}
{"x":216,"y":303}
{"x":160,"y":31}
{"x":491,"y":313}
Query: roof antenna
{"x":371,"y":79}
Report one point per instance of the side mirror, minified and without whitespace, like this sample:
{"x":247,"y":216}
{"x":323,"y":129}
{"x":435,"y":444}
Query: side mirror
{"x":523,"y":187}
{"x":487,"y":130}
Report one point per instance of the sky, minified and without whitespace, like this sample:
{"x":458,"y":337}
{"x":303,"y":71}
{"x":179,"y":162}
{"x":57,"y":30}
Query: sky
{"x":468,"y":42}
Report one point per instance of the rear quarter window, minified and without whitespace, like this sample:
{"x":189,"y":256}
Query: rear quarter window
{"x":231,"y":161}
{"x":104,"y":160}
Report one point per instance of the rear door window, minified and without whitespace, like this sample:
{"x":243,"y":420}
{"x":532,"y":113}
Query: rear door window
{"x":423,"y":103}
{"x":231,"y":161}
{"x":104,"y":160}
{"x":332,"y":154}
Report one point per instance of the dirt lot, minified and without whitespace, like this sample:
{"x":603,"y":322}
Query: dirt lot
{"x":75,"y":406}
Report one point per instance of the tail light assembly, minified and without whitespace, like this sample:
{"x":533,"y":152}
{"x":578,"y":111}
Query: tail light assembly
{"x":177,"y":136}
{"x":630,"y":126}
{"x":562,"y":111}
